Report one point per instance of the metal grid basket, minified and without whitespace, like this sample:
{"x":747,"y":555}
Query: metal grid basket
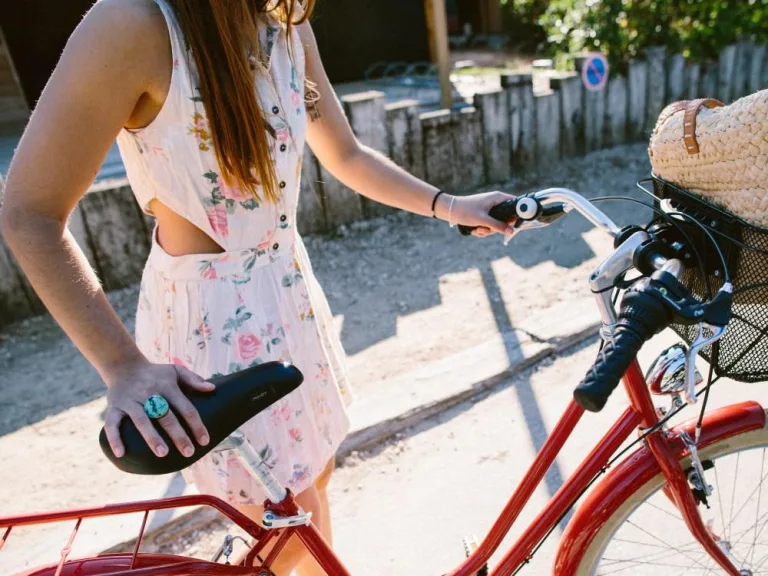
{"x":742,"y":353}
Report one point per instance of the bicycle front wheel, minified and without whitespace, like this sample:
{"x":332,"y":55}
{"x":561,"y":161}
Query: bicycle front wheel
{"x":647,"y":535}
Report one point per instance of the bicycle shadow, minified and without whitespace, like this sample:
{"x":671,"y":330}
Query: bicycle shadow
{"x":534,"y":420}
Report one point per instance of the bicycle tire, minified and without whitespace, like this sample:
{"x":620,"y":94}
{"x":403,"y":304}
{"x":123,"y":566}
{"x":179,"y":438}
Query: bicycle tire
{"x":595,"y":552}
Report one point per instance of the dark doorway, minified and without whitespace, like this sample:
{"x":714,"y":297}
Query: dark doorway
{"x":354,"y":34}
{"x":36,"y":32}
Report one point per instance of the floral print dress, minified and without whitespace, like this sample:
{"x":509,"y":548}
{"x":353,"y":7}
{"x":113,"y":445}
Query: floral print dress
{"x":258,"y":300}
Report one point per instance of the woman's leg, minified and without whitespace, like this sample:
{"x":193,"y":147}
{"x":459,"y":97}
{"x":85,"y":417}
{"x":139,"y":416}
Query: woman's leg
{"x":294,"y":556}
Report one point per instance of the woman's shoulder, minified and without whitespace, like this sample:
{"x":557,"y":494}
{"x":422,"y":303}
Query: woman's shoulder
{"x":127,"y":14}
{"x":131,"y":33}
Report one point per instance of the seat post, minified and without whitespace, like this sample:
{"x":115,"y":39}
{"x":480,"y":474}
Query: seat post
{"x":255,"y":464}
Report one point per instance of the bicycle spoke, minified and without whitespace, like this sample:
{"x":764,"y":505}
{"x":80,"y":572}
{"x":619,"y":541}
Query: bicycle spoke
{"x":660,"y":540}
{"x":733,"y":495}
{"x":762,"y":479}
{"x":656,"y":556}
{"x":668,"y":513}
{"x":757,"y":514}
{"x":635,"y":564}
{"x":719,"y":499}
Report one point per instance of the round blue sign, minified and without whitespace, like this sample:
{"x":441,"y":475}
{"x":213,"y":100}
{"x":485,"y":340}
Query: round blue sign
{"x":594,"y":72}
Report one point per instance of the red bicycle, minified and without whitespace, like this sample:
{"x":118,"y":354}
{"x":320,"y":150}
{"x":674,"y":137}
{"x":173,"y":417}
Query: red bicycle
{"x":705,"y":474}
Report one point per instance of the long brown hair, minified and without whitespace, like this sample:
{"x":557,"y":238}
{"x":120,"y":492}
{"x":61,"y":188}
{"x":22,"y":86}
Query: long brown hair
{"x":220,"y":33}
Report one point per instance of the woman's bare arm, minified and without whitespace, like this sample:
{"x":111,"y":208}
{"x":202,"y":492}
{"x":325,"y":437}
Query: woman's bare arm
{"x":371,"y":173}
{"x":89,"y":98}
{"x":104,"y":73}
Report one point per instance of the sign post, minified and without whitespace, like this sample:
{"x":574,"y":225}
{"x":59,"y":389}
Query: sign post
{"x":437,"y":24}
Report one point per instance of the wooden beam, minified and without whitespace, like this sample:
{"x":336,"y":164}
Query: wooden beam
{"x":437,"y":26}
{"x":6,"y":53}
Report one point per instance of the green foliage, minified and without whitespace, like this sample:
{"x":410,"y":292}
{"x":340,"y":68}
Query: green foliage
{"x":622,"y":29}
{"x":521,"y":21}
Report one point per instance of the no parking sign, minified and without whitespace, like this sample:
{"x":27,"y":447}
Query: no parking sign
{"x":594,"y":72}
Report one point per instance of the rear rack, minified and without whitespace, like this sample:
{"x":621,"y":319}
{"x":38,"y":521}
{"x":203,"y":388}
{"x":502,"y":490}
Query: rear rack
{"x":134,"y":563}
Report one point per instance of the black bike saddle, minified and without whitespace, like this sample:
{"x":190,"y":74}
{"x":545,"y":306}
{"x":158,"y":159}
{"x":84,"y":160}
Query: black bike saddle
{"x":237,"y":398}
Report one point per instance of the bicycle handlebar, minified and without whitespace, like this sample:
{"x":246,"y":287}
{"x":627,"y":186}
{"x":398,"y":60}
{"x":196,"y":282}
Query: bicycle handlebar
{"x":641,"y":316}
{"x":652,"y":304}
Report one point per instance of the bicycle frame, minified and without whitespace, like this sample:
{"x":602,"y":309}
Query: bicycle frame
{"x":661,"y":452}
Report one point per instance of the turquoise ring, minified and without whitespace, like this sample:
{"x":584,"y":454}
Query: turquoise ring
{"x":156,"y":407}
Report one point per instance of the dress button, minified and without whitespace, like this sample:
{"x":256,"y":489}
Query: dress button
{"x":275,"y":110}
{"x":283,"y":218}
{"x":282,"y":184}
{"x":283,"y":147}
{"x":275,"y":246}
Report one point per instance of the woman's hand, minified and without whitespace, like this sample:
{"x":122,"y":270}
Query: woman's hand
{"x":130,"y":386}
{"x":473,"y":211}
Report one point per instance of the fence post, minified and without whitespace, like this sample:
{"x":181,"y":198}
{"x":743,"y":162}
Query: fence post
{"x":638,"y":90}
{"x":77,"y":227}
{"x":725,"y":82}
{"x":469,"y":171}
{"x":494,"y":108}
{"x":310,"y":212}
{"x":617,"y":111}
{"x":709,"y":80}
{"x":741,"y":71}
{"x":764,"y":83}
{"x":405,"y":136}
{"x":368,"y":118}
{"x":756,"y":69}
{"x":519,"y":88}
{"x":439,"y":157}
{"x":656,"y":84}
{"x":17,"y":299}
{"x":568,"y":84}
{"x":692,"y":81}
{"x":118,"y":233}
{"x":676,"y":77}
{"x":547,"y":128}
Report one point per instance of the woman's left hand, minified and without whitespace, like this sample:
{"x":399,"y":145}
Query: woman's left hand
{"x":473,"y":211}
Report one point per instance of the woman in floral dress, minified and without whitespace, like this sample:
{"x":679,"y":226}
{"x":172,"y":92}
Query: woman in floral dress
{"x":211,"y":103}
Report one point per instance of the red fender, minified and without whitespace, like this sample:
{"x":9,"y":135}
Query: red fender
{"x":637,"y":469}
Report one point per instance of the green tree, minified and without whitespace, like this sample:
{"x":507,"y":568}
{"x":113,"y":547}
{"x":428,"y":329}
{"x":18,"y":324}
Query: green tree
{"x":622,"y":29}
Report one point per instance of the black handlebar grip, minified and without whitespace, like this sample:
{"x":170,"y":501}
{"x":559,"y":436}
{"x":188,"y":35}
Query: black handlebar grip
{"x":606,"y":373}
{"x":504,"y":212}
{"x":640,"y":318}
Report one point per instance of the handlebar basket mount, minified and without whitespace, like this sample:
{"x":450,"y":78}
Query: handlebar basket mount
{"x":743,"y":350}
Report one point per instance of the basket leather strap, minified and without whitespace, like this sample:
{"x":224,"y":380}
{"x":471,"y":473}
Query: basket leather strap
{"x":689,"y":121}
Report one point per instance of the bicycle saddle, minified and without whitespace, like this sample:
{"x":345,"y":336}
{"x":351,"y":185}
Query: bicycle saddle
{"x":238,"y":398}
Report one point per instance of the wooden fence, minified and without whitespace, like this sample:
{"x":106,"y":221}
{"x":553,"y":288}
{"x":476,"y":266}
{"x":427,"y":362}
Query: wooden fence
{"x":508,"y":131}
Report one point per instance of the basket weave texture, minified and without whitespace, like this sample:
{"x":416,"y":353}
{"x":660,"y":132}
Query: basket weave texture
{"x":727,"y":161}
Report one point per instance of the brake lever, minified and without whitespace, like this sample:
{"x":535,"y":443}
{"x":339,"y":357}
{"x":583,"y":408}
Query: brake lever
{"x":547,"y":216}
{"x":690,"y":358}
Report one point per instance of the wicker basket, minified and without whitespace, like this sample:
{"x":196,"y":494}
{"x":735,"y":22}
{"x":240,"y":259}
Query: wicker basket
{"x":717,"y":152}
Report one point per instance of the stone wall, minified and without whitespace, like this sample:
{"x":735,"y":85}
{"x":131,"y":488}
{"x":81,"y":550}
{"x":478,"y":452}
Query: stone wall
{"x":507,"y":131}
